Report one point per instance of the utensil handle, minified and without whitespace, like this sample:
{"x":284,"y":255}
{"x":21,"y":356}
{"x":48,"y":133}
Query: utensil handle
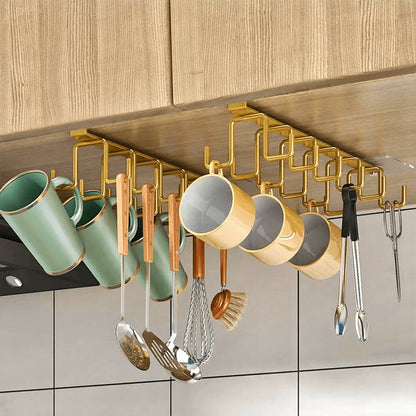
{"x":148,"y":202}
{"x":174,"y":228}
{"x":122,"y":191}
{"x":198,"y":257}
{"x":223,"y":266}
{"x":354,"y":223}
{"x":346,"y":211}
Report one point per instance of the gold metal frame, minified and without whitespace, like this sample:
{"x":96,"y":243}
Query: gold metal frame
{"x":134,"y":160}
{"x":341,"y":159}
{"x":285,"y":160}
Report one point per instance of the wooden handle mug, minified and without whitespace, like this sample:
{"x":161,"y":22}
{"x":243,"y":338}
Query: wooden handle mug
{"x":319,"y":257}
{"x":217,"y":211}
{"x":277,"y":233}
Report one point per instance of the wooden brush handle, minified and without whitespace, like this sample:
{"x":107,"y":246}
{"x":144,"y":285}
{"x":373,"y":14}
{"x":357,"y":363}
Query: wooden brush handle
{"x":122,"y":189}
{"x":174,"y":228}
{"x":223,"y":266}
{"x":148,"y":202}
{"x":199,"y":257}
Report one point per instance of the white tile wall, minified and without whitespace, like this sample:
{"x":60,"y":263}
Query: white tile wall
{"x":392,"y":326}
{"x":135,"y":399}
{"x":265,"y":338}
{"x":26,"y":346}
{"x":381,"y":391}
{"x":87,"y":353}
{"x":28,"y":403}
{"x":265,"y":395}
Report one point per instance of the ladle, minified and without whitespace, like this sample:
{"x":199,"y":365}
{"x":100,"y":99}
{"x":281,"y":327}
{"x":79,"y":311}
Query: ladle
{"x":174,"y":360}
{"x":188,"y":370}
{"x":130,"y":341}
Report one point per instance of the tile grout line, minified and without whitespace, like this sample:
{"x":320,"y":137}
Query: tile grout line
{"x":298,"y":344}
{"x":213,"y":377}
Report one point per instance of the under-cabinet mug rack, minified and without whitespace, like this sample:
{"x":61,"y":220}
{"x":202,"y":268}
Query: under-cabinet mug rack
{"x":338,"y":159}
{"x":133,"y":160}
{"x":334,"y":168}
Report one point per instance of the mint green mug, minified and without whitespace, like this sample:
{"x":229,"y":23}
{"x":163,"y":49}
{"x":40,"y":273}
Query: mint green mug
{"x":160,"y":273}
{"x":97,"y":229}
{"x":32,"y":208}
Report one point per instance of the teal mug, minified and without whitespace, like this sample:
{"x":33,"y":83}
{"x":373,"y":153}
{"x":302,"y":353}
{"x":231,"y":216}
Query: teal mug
{"x":32,"y":208}
{"x":160,"y":273}
{"x":97,"y":229}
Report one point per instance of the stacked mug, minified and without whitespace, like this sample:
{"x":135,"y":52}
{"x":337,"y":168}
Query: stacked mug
{"x":218,"y":212}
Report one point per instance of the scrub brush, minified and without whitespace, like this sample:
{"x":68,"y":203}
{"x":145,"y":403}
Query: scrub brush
{"x":227,"y":306}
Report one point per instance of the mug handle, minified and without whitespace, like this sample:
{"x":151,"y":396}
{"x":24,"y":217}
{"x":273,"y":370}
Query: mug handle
{"x":79,"y":206}
{"x":132,"y":218}
{"x":165,"y":216}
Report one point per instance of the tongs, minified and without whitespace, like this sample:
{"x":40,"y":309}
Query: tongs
{"x":350,"y":228}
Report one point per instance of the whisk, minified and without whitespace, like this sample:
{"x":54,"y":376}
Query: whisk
{"x":199,"y":334}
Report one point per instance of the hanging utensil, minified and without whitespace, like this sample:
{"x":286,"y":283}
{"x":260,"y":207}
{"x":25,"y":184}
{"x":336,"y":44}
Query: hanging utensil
{"x":227,"y":306}
{"x":349,"y":197}
{"x":341,"y":313}
{"x":170,"y":357}
{"x":130,"y":341}
{"x":393,"y":234}
{"x":189,"y":370}
{"x":199,"y":334}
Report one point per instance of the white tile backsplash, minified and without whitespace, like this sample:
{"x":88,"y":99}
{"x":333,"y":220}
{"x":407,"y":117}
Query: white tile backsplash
{"x":371,"y":391}
{"x":265,"y":395}
{"x":28,"y":403}
{"x":392,"y":326}
{"x":134,"y":399}
{"x":87,"y":351}
{"x":94,"y":378}
{"x":26,"y":346}
{"x":265,"y":338}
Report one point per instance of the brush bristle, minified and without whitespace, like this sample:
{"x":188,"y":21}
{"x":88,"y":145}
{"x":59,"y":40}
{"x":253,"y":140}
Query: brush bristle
{"x":234,"y":310}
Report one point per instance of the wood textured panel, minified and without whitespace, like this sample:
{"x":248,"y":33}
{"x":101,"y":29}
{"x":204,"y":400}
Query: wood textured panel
{"x":374,"y":118}
{"x":238,"y":47}
{"x":65,"y":61}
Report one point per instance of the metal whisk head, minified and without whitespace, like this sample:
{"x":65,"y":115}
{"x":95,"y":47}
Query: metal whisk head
{"x":199,"y":333}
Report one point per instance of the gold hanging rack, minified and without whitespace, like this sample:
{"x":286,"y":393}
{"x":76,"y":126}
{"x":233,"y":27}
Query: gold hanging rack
{"x":340,"y":159}
{"x":134,"y":159}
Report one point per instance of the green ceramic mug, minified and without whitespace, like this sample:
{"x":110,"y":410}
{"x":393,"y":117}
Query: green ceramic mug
{"x":32,"y":208}
{"x":97,"y":229}
{"x":160,"y":273}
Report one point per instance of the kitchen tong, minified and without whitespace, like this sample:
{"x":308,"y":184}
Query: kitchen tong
{"x":350,"y":229}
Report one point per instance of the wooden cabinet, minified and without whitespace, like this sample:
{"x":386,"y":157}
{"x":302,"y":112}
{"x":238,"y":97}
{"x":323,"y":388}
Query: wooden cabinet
{"x":65,"y":61}
{"x":225,"y":48}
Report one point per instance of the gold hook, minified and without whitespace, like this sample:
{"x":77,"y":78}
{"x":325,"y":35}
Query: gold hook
{"x":401,"y":204}
{"x":311,"y":206}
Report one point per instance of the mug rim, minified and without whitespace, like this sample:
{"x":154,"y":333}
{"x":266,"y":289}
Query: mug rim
{"x":31,"y":204}
{"x":229,"y":183}
{"x":247,"y":250}
{"x":327,"y":246}
{"x":97,"y":217}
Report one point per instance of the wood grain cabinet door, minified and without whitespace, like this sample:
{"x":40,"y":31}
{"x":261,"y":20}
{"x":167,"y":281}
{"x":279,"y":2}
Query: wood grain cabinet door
{"x":226,"y":48}
{"x":66,"y":61}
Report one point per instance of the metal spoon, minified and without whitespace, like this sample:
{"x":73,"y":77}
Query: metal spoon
{"x":130,"y":341}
